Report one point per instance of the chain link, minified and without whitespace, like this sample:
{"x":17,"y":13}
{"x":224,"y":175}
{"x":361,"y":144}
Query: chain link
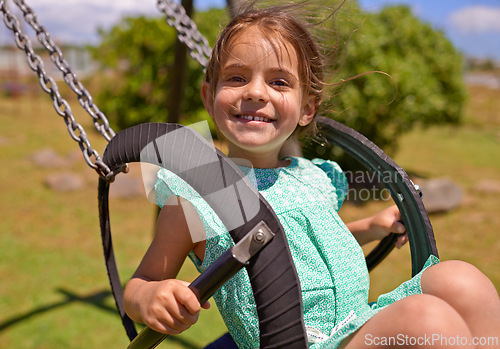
{"x":100,"y":121}
{"x":187,"y":31}
{"x":49,"y":86}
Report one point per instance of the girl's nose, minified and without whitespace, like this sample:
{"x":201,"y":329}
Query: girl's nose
{"x":256,"y":91}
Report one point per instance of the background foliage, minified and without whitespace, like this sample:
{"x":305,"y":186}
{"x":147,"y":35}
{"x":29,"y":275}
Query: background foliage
{"x":136,"y":59}
{"x":422,"y":84}
{"x":425,"y":86}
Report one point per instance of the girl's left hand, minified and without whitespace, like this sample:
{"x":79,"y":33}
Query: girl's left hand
{"x":386,"y":222}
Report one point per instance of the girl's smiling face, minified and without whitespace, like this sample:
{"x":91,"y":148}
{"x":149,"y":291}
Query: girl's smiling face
{"x":259,"y":99}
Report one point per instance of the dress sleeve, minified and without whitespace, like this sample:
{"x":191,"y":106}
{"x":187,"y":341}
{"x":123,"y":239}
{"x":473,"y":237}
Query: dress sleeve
{"x":168,"y":184}
{"x":337,"y":176}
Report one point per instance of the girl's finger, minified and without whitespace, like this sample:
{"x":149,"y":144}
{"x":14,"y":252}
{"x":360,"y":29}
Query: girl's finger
{"x":187,"y":298}
{"x":206,"y":305}
{"x":178,"y":317}
{"x":172,"y":330}
{"x":168,"y":325}
{"x":398,"y":227}
{"x":401,"y":241}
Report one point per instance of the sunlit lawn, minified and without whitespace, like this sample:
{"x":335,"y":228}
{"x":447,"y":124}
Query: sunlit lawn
{"x":53,"y":288}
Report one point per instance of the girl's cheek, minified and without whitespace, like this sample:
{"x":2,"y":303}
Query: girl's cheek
{"x":230,"y":93}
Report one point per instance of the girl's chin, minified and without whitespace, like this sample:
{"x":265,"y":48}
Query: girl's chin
{"x":251,"y":147}
{"x":254,"y":147}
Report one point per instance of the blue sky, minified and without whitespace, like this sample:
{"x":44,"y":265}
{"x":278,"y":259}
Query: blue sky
{"x":472,"y":25}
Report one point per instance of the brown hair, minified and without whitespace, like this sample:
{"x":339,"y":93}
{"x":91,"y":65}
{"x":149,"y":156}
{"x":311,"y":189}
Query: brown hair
{"x":280,"y":24}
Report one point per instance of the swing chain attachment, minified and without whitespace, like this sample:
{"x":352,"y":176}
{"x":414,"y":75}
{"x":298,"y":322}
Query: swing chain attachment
{"x":48,"y":84}
{"x":100,"y":121}
{"x":187,"y":31}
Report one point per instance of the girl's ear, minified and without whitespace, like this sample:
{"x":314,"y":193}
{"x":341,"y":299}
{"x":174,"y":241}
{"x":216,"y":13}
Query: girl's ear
{"x":308,"y":110}
{"x":206,"y":96}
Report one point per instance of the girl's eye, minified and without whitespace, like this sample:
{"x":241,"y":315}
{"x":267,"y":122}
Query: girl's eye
{"x":280,"y":83}
{"x":235,"y":79}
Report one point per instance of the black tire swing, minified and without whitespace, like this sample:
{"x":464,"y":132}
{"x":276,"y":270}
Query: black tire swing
{"x":268,"y":262}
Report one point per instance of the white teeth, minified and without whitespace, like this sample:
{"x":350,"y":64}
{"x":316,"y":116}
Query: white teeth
{"x":254,"y":118}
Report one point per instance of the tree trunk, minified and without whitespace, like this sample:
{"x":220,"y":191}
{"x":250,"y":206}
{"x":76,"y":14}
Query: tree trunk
{"x":179,"y":73}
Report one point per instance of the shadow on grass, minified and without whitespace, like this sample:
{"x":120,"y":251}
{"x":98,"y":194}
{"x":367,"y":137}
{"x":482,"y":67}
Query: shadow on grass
{"x":96,"y":299}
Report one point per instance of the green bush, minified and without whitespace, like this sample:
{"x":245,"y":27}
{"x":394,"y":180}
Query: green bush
{"x":423,"y":86}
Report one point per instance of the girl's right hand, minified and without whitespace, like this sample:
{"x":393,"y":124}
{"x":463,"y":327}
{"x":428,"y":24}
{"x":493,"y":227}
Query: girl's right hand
{"x":168,"y":306}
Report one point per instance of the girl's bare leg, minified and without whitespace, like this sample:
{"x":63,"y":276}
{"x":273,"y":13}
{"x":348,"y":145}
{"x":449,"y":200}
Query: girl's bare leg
{"x":419,"y":321}
{"x":471,"y":294}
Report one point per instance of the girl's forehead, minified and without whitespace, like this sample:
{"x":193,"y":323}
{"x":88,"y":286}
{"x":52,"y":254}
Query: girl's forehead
{"x":253,"y":43}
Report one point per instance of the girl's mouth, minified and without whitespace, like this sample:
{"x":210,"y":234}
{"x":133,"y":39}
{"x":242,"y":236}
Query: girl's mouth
{"x":253,"y":118}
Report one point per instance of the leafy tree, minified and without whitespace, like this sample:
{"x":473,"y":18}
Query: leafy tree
{"x":425,"y":84}
{"x":136,"y":59}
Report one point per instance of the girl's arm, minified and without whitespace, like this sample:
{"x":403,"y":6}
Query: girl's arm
{"x":379,"y":226}
{"x":153,"y":296}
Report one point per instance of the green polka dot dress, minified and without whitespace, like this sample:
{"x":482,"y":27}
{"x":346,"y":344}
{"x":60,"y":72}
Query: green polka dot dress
{"x":306,"y":197}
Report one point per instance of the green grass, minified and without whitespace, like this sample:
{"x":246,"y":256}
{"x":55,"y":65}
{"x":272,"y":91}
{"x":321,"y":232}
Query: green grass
{"x":54,"y":291}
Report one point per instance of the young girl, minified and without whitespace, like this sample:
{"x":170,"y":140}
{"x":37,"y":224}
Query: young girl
{"x":263,"y":83}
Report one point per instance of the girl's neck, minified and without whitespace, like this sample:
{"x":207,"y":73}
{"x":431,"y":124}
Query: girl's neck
{"x":259,"y":160}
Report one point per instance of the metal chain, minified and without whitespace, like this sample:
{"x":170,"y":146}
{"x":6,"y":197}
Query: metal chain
{"x":187,"y":31}
{"x":100,"y":121}
{"x":49,"y":85}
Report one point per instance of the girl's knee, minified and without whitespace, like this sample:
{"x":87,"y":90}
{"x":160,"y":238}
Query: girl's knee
{"x":430,"y":317}
{"x":429,"y":313}
{"x":454,"y":266}
{"x":456,"y":280}
{"x":417,"y":316}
